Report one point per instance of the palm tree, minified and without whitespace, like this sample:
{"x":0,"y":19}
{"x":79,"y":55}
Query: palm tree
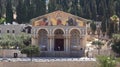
{"x":115,"y":21}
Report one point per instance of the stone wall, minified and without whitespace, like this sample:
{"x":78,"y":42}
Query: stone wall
{"x":9,"y":53}
{"x":62,"y":53}
{"x":16,"y":28}
{"x":50,"y":64}
{"x":47,"y":64}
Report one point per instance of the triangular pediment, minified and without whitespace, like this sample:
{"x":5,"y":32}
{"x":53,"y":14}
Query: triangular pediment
{"x":58,"y":17}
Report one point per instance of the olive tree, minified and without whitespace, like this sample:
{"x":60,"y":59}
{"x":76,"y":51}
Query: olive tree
{"x":98,"y":44}
{"x":14,"y":41}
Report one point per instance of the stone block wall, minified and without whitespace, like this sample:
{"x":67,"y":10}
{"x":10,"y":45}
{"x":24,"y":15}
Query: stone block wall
{"x":9,"y":53}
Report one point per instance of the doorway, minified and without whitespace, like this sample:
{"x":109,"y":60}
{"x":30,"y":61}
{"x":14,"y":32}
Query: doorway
{"x":59,"y":45}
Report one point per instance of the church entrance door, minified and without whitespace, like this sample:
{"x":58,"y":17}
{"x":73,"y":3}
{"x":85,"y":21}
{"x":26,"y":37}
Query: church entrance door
{"x":59,"y":45}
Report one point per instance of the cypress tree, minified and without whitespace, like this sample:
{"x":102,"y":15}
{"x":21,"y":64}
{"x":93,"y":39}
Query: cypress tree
{"x":93,"y":8}
{"x":79,"y":9}
{"x":75,"y":8}
{"x":40,"y":7}
{"x":87,"y":10}
{"x":117,"y":8}
{"x":9,"y":12}
{"x":31,"y":12}
{"x":82,"y":3}
{"x":58,"y":4}
{"x":102,"y":12}
{"x":71,"y":7}
{"x":0,"y":9}
{"x":19,"y":12}
{"x":64,"y":4}
{"x":51,"y":6}
{"x":27,"y":10}
{"x":103,"y":25}
{"x":43,"y":7}
{"x":37,"y":6}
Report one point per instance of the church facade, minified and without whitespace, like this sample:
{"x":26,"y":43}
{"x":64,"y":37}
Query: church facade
{"x":59,"y":34}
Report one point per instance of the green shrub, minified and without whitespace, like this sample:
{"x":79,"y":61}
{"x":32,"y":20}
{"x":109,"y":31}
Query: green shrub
{"x":31,"y":50}
{"x":105,"y":61}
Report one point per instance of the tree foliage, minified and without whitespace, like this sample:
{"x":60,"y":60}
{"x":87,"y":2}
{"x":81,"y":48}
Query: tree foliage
{"x":19,"y":12}
{"x":98,"y":43}
{"x":2,"y":20}
{"x":113,"y":25}
{"x":28,"y":9}
{"x":51,"y":6}
{"x":116,"y":43}
{"x":14,"y":41}
{"x":9,"y":12}
{"x":0,"y":8}
{"x":90,"y":9}
{"x":105,"y":61}
{"x":31,"y":51}
{"x":93,"y":27}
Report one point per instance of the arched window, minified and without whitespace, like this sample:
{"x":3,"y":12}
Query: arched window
{"x":43,"y":40}
{"x":74,"y":40}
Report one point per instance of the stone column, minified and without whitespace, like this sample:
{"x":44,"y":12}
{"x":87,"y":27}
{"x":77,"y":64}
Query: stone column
{"x":50,"y":43}
{"x":66,"y":43}
{"x":50,"y":40}
{"x":53,"y":43}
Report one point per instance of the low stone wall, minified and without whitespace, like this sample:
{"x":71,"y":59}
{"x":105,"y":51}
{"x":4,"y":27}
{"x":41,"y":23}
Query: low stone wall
{"x":47,"y":64}
{"x":10,"y":53}
{"x":118,"y":65}
{"x":51,"y":64}
{"x":61,"y":54}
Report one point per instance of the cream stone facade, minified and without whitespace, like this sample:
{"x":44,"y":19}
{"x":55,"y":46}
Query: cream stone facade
{"x":65,"y":36}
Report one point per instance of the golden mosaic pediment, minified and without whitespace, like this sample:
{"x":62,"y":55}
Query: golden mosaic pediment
{"x":59,"y":18}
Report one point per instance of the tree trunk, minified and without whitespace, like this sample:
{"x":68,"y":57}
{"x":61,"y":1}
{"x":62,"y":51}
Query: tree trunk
{"x":98,"y":51}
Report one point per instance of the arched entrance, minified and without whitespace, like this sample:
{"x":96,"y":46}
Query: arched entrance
{"x":43,"y":40}
{"x":58,"y":40}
